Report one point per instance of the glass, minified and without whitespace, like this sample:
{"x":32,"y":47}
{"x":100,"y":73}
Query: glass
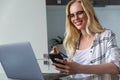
{"x":78,"y":13}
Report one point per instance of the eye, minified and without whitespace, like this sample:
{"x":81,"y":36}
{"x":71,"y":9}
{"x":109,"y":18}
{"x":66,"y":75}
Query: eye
{"x":80,"y":12}
{"x":71,"y":15}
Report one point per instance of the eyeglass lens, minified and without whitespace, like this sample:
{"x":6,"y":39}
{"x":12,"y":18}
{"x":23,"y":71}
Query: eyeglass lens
{"x":77,"y":14}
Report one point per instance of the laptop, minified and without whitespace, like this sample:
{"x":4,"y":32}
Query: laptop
{"x":19,"y":62}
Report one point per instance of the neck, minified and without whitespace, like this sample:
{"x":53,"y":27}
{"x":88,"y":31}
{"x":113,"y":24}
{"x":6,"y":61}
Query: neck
{"x":84,"y":34}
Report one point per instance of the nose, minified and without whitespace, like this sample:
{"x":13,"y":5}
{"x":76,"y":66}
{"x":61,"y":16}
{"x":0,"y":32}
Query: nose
{"x":76,"y":17}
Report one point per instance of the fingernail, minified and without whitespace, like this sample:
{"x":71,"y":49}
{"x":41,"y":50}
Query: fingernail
{"x":56,"y":59}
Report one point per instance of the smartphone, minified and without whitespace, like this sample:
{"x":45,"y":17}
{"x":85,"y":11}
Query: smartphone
{"x":56,"y":55}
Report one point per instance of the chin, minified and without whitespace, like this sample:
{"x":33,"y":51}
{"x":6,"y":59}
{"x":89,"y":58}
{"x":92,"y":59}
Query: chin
{"x":79,"y":27}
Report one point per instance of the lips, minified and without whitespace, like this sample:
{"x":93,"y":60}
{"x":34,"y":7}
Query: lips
{"x":78,"y":23}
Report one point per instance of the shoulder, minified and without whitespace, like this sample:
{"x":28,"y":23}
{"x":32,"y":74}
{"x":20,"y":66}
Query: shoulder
{"x":107,"y":33}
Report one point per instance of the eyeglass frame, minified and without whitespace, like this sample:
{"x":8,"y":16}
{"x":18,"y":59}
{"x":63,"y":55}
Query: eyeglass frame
{"x":78,"y":13}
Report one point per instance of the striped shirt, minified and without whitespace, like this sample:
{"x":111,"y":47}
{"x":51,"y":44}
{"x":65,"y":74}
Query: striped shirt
{"x":103,"y":50}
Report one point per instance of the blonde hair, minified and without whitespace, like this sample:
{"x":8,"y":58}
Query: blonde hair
{"x":72,"y":34}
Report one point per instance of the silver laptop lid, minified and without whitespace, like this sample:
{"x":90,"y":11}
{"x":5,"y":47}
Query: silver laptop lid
{"x":19,"y":62}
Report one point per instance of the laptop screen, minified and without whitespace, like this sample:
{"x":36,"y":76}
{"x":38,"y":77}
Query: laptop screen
{"x":19,"y":62}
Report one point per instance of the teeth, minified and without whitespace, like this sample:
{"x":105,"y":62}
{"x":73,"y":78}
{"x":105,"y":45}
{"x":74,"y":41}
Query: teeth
{"x":79,"y":23}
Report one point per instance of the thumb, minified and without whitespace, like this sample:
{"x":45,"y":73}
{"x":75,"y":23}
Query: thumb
{"x":56,"y":49}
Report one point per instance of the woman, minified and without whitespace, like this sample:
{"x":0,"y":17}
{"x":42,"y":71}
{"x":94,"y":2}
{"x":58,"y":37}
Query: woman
{"x":91,"y":49}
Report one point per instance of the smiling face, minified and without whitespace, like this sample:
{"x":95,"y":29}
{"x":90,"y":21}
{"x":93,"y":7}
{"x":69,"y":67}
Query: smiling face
{"x":77,"y":16}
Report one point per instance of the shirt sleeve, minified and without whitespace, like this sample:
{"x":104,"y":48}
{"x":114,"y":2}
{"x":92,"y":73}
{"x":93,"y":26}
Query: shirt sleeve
{"x":113,"y":51}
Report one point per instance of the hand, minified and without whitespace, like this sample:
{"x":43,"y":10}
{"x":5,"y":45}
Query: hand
{"x":69,"y":67}
{"x":55,"y":50}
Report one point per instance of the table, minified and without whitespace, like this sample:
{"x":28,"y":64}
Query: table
{"x":57,"y":76}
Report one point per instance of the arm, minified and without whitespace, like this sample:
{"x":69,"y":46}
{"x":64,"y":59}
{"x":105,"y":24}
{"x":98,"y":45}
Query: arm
{"x":75,"y":68}
{"x":110,"y":68}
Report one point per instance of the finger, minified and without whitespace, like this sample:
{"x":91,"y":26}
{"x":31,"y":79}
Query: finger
{"x":61,"y":61}
{"x":64,"y":62}
{"x":64,"y":71}
{"x":52,"y":51}
{"x":56,"y":49}
{"x":61,"y":66}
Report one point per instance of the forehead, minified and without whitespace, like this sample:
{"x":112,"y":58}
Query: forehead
{"x":76,"y":6}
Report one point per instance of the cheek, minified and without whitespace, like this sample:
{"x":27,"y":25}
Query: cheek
{"x":72,"y":22}
{"x":86,"y":18}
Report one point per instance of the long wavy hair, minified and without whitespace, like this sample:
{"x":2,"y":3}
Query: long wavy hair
{"x":72,"y":33}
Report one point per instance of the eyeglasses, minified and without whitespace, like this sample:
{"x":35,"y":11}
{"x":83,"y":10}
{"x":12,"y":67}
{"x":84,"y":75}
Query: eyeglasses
{"x":79,"y":13}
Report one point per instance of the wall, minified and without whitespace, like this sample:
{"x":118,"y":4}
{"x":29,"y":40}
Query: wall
{"x":24,"y":20}
{"x":55,"y":22}
{"x":109,"y":17}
